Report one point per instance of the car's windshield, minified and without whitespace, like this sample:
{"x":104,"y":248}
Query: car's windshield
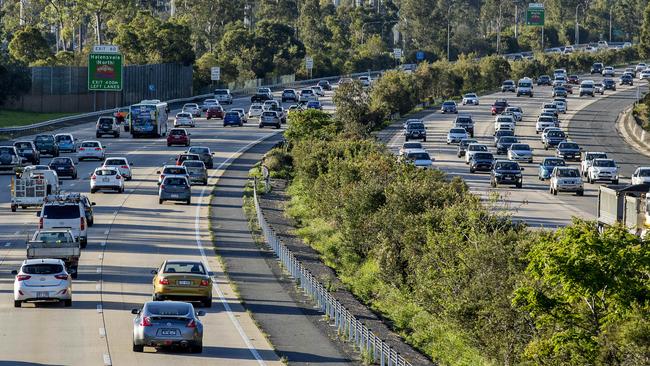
{"x":483,"y":156}
{"x":457,"y":130}
{"x":193,"y":164}
{"x":412,"y":145}
{"x":556,"y":134}
{"x":508,"y":140}
{"x":507,"y":165}
{"x":569,"y":145}
{"x":604,"y":163}
{"x":44,"y":139}
{"x":463,"y":120}
{"x":520,"y":147}
{"x":478,"y":148}
{"x":568,"y":173}
{"x":554,"y":162}
{"x":184,"y":267}
{"x":42,"y":269}
{"x":23,"y":145}
{"x":183,"y":115}
{"x":416,"y":126}
{"x":220,"y":92}
{"x":644,"y":172}
{"x":174,"y":170}
{"x":7,"y":150}
{"x":471,"y":95}
{"x":61,"y":161}
{"x":53,"y":237}
{"x":448,"y":104}
{"x":596,"y":156}
{"x":232,"y":114}
{"x":199,"y":150}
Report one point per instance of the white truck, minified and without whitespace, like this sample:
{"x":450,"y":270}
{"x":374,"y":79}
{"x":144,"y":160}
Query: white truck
{"x":626,"y":204}
{"x":32,"y":187}
{"x":56,"y":244}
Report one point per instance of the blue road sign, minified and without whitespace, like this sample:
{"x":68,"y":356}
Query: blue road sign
{"x":419,"y":55}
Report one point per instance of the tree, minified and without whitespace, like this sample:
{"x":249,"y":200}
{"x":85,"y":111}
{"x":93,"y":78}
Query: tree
{"x":15,"y":78}
{"x":644,"y":38}
{"x":29,"y":46}
{"x":353,"y":109}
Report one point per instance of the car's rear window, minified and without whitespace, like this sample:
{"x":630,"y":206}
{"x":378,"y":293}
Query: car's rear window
{"x":173,"y":181}
{"x":177,"y":132}
{"x":412,"y":145}
{"x":168,"y":309}
{"x":115,"y":162}
{"x":53,"y":237}
{"x":199,"y":150}
{"x":62,"y":138}
{"x":44,"y":138}
{"x":175,"y":170}
{"x":193,"y":164}
{"x":232,"y":114}
{"x":457,"y":130}
{"x":90,"y":144}
{"x":105,"y":121}
{"x":106,"y":172}
{"x":61,"y":161}
{"x":42,"y":268}
{"x":61,"y":212}
{"x":220,"y":92}
{"x":269,"y":114}
{"x":184,"y":267}
{"x":554,"y":162}
{"x":23,"y":145}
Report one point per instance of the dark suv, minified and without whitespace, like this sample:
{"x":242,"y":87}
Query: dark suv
{"x":609,"y":84}
{"x":504,"y":144}
{"x":465,"y":121}
{"x":508,"y":86}
{"x":481,"y":161}
{"x":27,"y":150}
{"x":499,"y":106}
{"x":597,"y":68}
{"x":627,"y":79}
{"x":46,"y":145}
{"x":416,"y":131}
{"x":506,"y":172}
{"x":289,"y":95}
{"x":64,"y":167}
{"x":544,"y":80}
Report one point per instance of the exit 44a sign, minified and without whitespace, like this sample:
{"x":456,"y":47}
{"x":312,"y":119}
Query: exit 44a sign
{"x":105,"y":72}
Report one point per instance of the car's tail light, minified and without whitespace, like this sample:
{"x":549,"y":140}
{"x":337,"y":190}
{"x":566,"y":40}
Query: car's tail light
{"x":82,"y":224}
{"x":40,"y":223}
{"x":124,"y":167}
{"x":191,"y":324}
{"x":98,"y":149}
{"x":162,"y":186}
{"x":82,"y":149}
{"x":205,"y":283}
{"x":61,"y":277}
{"x":145,"y":322}
{"x":94,"y":177}
{"x":163,"y":281}
{"x":23,"y":277}
{"x":118,"y":177}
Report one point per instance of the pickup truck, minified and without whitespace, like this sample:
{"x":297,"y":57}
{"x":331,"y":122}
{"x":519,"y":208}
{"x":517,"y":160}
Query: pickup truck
{"x":56,"y":244}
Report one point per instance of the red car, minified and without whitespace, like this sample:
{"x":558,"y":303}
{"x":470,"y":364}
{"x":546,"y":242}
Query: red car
{"x":573,"y":79}
{"x":215,"y":111}
{"x":178,"y":136}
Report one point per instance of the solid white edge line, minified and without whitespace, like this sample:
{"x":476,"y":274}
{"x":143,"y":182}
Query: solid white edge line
{"x":197,"y":236}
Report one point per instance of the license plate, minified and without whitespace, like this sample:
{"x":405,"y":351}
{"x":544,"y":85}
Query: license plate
{"x":105,"y":179}
{"x":41,"y":294}
{"x":174,"y":196}
{"x":184,"y":283}
{"x":59,"y":168}
{"x":168,"y":332}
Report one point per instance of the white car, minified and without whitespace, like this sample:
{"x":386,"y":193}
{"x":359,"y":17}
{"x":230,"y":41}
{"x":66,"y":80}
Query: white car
{"x":504,"y":125}
{"x":318,"y":90}
{"x":42,"y":280}
{"x":172,"y":170}
{"x":560,"y":106}
{"x":91,"y":150}
{"x":420,"y":158}
{"x":544,"y":122}
{"x":587,"y":88}
{"x":106,"y":178}
{"x":603,"y":169}
{"x":270,"y":105}
{"x":641,"y":66}
{"x":516,"y":111}
{"x":609,"y":71}
{"x":192,"y":108}
{"x":307,"y":95}
{"x":566,"y":179}
{"x":409,"y":146}
{"x":641,"y":175}
{"x":520,"y":152}
{"x":121,"y":164}
{"x":183,"y":119}
{"x":470,"y":98}
{"x":588,"y":158}
{"x":366,"y":81}
{"x":473,"y":149}
{"x":255,"y":110}
{"x":644,"y":75}
{"x":456,"y":134}
{"x":223,"y":96}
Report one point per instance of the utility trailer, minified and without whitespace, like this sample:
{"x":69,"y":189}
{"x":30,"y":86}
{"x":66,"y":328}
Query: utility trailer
{"x":626,"y":204}
{"x":56,"y":244}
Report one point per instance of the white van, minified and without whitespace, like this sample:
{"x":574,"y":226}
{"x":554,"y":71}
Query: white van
{"x":525,"y":87}
{"x":61,"y":211}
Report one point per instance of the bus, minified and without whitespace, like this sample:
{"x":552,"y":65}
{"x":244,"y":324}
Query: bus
{"x":148,"y":119}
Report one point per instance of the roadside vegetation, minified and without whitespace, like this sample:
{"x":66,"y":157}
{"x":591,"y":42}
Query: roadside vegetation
{"x":11,"y":118}
{"x":641,"y":112}
{"x":461,"y":283}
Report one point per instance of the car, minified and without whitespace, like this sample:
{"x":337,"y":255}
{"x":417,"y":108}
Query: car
{"x":508,"y":86}
{"x":544,"y":80}
{"x":630,"y":71}
{"x":196,"y":171}
{"x":502,"y":133}
{"x":242,"y":113}
{"x":560,"y":91}
{"x":462,"y":146}
{"x":9,"y":159}
{"x":466,"y":122}
{"x":107,"y":125}
{"x":66,"y":142}
{"x":255,"y":110}
{"x":184,"y":119}
{"x":473,"y":149}
{"x":644,"y":75}
{"x":415,"y":131}
{"x":325,"y":85}
{"x":175,"y":188}
{"x":183,"y":280}
{"x":499,"y":106}
{"x":603,"y":169}
{"x":560,"y":73}
{"x":409,"y":146}
{"x":366,"y":81}
{"x":67,"y":211}
{"x":481,"y":161}
{"x":207,"y":103}
{"x":597,"y":68}
{"x":449,"y":106}
{"x":123,"y":166}
{"x":609,"y":84}
{"x":641,"y":175}
{"x":566,"y":179}
{"x":544,"y":122}
{"x":306,"y":95}
{"x":550,"y":108}
{"x":223,"y":96}
{"x":289,"y":95}
{"x":560,"y":106}
{"x":270,"y":118}
{"x":599,"y":88}
{"x":318,"y":90}
{"x":28,"y":152}
{"x":525,"y":87}
{"x":204,"y":154}
{"x":609,"y":71}
{"x":106,"y":178}
{"x":232,"y":119}
{"x":161,"y":324}
{"x":314,"y":104}
{"x":574,"y":79}
{"x":568,"y":87}
{"x":409,"y":121}
{"x":91,"y":150}
{"x":506,"y":172}
{"x":215,"y":111}
{"x":520,"y":152}
{"x":192,"y":108}
{"x":187,"y":156}
{"x":626,"y":79}
{"x":587,"y":87}
{"x":169,"y":170}
{"x":64,"y":167}
{"x":517,"y":112}
{"x":456,"y":134}
{"x":42,"y":280}
{"x":261,"y":96}
{"x":641,"y":66}
{"x":46,"y":145}
{"x":552,"y":138}
{"x":178,"y":136}
{"x":504,"y":122}
{"x":568,"y":150}
{"x":419,"y":157}
{"x":504,"y":143}
{"x":550,"y":114}
{"x":470,"y":98}
{"x":546,"y":167}
{"x":588,"y":158}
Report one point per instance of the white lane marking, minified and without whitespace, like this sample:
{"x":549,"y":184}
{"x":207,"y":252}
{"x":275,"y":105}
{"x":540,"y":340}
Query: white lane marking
{"x":99,"y":309}
{"x":106,"y":232}
{"x":107,"y":359}
{"x":100,"y":256}
{"x":7,"y":244}
{"x":98,"y":286}
{"x":99,"y":269}
{"x":17,"y":233}
{"x":197,"y":236}
{"x":115,"y":213}
{"x":102,"y":332}
{"x":103,"y":243}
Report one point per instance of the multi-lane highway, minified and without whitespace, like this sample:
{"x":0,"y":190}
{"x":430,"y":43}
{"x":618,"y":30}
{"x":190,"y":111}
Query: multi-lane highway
{"x":588,"y":121}
{"x":132,"y":235}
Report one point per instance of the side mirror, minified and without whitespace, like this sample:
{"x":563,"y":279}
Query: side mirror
{"x":135,"y":311}
{"x":189,"y":134}
{"x":14,"y":272}
{"x":210,"y":274}
{"x":38,"y":214}
{"x":154,"y":271}
{"x":93,"y":203}
{"x":200,"y":313}
{"x":523,"y":169}
{"x":157,"y":171}
{"x":131,"y":163}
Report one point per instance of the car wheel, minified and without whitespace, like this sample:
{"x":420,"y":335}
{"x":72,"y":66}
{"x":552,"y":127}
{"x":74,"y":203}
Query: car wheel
{"x":138,"y":348}
{"x":260,"y":125}
{"x":207,"y":302}
{"x":589,"y":180}
{"x":615,"y":181}
{"x":160,"y":202}
{"x":519,"y":185}
{"x":545,"y":147}
{"x":74,"y":176}
{"x":580,"y":193}
{"x":188,"y":202}
{"x":93,"y":190}
{"x":205,"y":182}
{"x":278,"y":126}
{"x":97,"y":135}
{"x":471,"y":170}
{"x":67,"y":303}
{"x":84,"y":243}
{"x":493,"y":183}
{"x":14,"y":208}
{"x":554,"y":191}
{"x":458,"y":155}
{"x":17,"y":303}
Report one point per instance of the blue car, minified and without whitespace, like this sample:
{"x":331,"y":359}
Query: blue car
{"x":547,"y":166}
{"x":314,"y":104}
{"x":232,"y":118}
{"x":66,"y":142}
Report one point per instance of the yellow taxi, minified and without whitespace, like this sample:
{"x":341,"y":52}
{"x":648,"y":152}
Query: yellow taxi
{"x":183,"y":280}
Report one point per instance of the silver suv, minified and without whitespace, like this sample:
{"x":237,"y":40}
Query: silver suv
{"x":107,"y":126}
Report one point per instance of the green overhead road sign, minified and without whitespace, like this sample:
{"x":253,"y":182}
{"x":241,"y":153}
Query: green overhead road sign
{"x":105,"y":72}
{"x":535,"y":15}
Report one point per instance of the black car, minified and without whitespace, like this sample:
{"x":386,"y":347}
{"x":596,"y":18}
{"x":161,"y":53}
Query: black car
{"x":64,"y":167}
{"x":627,"y":79}
{"x":465,"y":121}
{"x":544,"y":80}
{"x":416,"y":131}
{"x":325,"y":85}
{"x":46,"y":145}
{"x":260,"y":98}
{"x":560,"y":91}
{"x":553,"y":138}
{"x":289,"y":95}
{"x":481,"y":161}
{"x":597,"y":68}
{"x":449,"y":107}
{"x":27,"y":150}
{"x":568,"y":151}
{"x":609,"y":84}
{"x":506,"y":172}
{"x":504,"y":143}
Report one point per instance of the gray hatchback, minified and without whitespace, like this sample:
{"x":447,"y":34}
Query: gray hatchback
{"x":167,"y":324}
{"x":197,"y":172}
{"x":175,"y":188}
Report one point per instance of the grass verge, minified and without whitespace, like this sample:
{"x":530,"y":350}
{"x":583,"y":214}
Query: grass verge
{"x":12,"y":118}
